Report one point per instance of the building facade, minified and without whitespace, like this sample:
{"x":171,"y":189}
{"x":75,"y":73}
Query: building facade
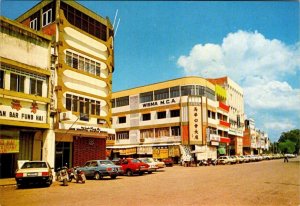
{"x":24,"y":96}
{"x":82,"y":63}
{"x":235,"y":101}
{"x":255,"y":141}
{"x":176,"y":118}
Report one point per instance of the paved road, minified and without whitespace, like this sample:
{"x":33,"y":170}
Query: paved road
{"x":261,"y":183}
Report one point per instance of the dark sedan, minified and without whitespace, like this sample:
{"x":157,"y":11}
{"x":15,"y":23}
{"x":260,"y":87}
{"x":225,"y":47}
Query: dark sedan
{"x":101,"y":168}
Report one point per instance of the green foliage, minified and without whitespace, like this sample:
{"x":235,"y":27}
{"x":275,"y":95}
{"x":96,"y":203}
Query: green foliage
{"x":287,"y":147}
{"x":289,"y":137}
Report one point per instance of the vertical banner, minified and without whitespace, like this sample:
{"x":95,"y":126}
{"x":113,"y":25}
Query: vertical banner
{"x":195,"y":123}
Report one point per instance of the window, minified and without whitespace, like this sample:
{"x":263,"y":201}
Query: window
{"x":146,"y":133}
{"x":47,"y":17}
{"x":2,"y":79}
{"x":84,"y":22}
{"x":175,"y":113}
{"x":36,"y":86}
{"x":93,"y":107}
{"x":69,"y":102}
{"x":187,"y":90}
{"x":146,"y":117}
{"x":210,"y":94}
{"x":122,"y":120}
{"x":34,"y":24}
{"x":17,"y":82}
{"x":213,"y":115}
{"x":174,"y":92}
{"x":146,"y":97}
{"x":161,"y":115}
{"x":161,"y":94}
{"x":199,"y":90}
{"x":122,"y":135}
{"x":77,"y":61}
{"x":75,"y":103}
{"x":162,"y":132}
{"x":113,"y":103}
{"x":98,"y":107}
{"x":122,"y":101}
{"x":175,"y":131}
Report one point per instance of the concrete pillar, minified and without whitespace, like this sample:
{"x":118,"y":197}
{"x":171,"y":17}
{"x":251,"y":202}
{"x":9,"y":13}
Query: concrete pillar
{"x":7,"y":80}
{"x":27,"y":85}
{"x":49,"y":145}
{"x":44,"y":89}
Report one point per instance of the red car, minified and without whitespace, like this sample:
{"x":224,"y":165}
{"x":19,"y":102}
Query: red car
{"x":132,"y":166}
{"x":168,"y":162}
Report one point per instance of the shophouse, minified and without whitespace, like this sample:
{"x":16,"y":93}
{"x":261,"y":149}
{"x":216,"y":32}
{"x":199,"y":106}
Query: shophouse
{"x":82,"y":66}
{"x":250,"y":141}
{"x":176,"y":118}
{"x":235,"y":101}
{"x":24,"y":96}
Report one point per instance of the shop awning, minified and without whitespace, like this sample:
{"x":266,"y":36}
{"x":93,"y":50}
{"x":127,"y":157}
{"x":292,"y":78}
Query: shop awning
{"x":222,"y":150}
{"x":79,"y":133}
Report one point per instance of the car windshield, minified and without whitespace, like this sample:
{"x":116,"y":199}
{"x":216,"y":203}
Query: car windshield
{"x":135,"y":160}
{"x":34,"y":165}
{"x":106,"y":162}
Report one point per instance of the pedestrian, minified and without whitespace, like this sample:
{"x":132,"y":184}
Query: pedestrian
{"x":286,"y":158}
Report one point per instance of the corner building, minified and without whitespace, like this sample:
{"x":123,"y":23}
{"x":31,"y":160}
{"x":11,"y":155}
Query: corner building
{"x":81,"y":72}
{"x":24,"y":96}
{"x":178,"y":118}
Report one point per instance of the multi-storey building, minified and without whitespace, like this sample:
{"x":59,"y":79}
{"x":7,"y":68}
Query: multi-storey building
{"x":175,"y":118}
{"x":24,"y":96}
{"x":82,"y":67}
{"x":235,"y":100}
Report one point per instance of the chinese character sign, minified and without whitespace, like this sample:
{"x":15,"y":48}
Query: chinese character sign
{"x":195,"y":124}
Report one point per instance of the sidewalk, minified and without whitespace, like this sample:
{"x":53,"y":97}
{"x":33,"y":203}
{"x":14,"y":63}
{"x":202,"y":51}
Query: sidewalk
{"x":7,"y":181}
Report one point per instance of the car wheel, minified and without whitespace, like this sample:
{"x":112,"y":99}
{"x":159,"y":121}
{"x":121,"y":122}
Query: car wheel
{"x":97,"y":176}
{"x":129,"y":173}
{"x":150,"y":172}
{"x":113,"y":176}
{"x":141,"y":173}
{"x":19,"y":186}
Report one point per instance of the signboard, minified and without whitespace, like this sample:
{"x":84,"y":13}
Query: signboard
{"x":23,"y":111}
{"x":174,"y":151}
{"x":195,"y":124}
{"x":162,"y":102}
{"x":160,"y":152}
{"x":144,"y":150}
{"x":9,"y":144}
{"x":128,"y":151}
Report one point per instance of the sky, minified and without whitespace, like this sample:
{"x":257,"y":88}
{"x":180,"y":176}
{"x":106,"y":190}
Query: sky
{"x":254,"y":43}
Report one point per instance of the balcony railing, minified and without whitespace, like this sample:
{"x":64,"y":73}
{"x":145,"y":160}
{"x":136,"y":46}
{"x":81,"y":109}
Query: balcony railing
{"x":225,"y":124}
{"x":161,"y":139}
{"x":224,"y":106}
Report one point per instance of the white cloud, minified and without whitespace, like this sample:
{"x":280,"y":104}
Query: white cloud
{"x":280,"y":125}
{"x":271,"y":95}
{"x":256,"y":63}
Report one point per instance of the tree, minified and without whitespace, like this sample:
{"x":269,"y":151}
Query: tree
{"x":287,"y":147}
{"x":292,"y":136}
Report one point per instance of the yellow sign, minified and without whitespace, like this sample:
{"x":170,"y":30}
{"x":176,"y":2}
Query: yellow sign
{"x":9,"y":144}
{"x":128,"y":151}
{"x":174,"y":151}
{"x":160,"y":153}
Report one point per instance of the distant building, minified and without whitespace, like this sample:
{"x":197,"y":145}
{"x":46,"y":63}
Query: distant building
{"x":82,"y":64}
{"x":176,"y":118}
{"x":235,"y":101}
{"x":24,"y":96}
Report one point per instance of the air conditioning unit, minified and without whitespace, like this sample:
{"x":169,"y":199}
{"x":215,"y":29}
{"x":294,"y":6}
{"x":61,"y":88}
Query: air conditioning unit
{"x":101,"y":121}
{"x":65,"y":115}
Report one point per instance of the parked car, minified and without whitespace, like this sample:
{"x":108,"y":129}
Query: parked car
{"x":244,"y":158}
{"x":34,"y":172}
{"x":224,"y":160}
{"x":168,"y":162}
{"x":233,"y":159}
{"x":160,"y":164}
{"x":132,"y":166}
{"x":152,"y":164}
{"x":101,"y":168}
{"x":238,"y":159}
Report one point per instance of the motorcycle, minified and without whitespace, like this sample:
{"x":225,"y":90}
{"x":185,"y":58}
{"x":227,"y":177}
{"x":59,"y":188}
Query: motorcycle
{"x":214,"y":162}
{"x":62,"y":175}
{"x":203,"y":163}
{"x":79,"y":176}
{"x":72,"y":175}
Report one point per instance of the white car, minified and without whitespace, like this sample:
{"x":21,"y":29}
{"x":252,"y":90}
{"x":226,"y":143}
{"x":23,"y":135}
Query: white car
{"x":224,"y":160}
{"x":152,"y":164}
{"x":34,"y":172}
{"x":160,"y":164}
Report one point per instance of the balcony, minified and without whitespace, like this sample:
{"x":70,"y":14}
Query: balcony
{"x":164,"y":139}
{"x":224,"y":106}
{"x":225,"y":124}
